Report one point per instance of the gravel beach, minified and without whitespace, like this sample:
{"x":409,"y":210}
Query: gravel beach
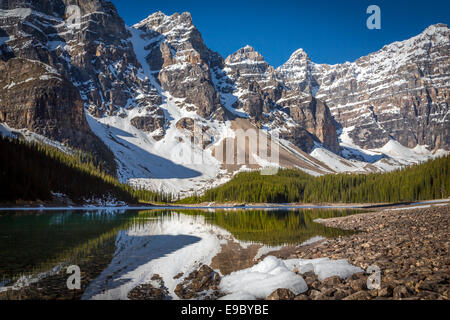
{"x":410,"y":246}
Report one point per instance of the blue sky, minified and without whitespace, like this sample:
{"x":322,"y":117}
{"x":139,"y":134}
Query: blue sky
{"x":329,"y":31}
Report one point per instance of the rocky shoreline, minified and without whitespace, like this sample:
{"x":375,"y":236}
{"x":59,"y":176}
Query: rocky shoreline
{"x":410,"y":246}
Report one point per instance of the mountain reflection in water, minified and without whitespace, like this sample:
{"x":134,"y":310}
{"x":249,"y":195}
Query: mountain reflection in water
{"x":35,"y":242}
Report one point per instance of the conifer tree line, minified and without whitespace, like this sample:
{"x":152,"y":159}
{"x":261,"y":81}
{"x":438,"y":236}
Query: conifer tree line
{"x":31,"y":172}
{"x":425,"y":181}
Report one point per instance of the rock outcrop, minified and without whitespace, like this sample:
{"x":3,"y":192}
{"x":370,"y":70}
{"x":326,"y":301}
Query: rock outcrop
{"x":150,"y":123}
{"x":314,"y":116}
{"x":256,"y":86}
{"x":201,"y":284}
{"x":181,"y":61}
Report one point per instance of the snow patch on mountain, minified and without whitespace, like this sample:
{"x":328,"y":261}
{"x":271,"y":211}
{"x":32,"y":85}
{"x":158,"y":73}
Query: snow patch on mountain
{"x":29,"y":136}
{"x":390,"y":157}
{"x":229,"y":93}
{"x":172,"y":164}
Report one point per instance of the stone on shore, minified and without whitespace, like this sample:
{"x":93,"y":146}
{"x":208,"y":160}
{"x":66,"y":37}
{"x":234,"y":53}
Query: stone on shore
{"x":281,"y":294}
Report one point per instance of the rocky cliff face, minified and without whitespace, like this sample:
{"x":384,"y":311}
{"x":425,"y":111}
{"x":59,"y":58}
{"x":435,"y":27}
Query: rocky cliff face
{"x":400,"y":92}
{"x":181,"y":62}
{"x":45,"y":65}
{"x":205,"y":83}
{"x":265,"y":98}
{"x":256,"y":86}
{"x":314,"y":115}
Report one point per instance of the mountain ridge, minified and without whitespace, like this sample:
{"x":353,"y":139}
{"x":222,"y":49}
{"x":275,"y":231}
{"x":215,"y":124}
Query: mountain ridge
{"x":433,"y":37}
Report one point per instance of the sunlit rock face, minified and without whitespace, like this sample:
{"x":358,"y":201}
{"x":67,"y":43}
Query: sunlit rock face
{"x":51,"y":69}
{"x":400,"y":92}
{"x":270,"y":102}
{"x":181,"y":61}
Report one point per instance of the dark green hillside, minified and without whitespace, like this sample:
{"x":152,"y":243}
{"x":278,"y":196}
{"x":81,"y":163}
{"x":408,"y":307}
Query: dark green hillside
{"x":426,"y":181}
{"x":31,"y":172}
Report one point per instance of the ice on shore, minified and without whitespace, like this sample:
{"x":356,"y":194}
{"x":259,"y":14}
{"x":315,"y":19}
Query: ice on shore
{"x":259,"y":281}
{"x":324,"y":268}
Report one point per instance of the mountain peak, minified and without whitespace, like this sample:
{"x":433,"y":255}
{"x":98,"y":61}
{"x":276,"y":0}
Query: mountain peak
{"x":158,"y":18}
{"x":297,"y":63}
{"x":438,"y":27}
{"x":299,"y":54}
{"x":248,"y":48}
{"x":245,"y":53}
{"x":157,"y":14}
{"x":154,"y":18}
{"x":185,"y":17}
{"x":439,"y":30}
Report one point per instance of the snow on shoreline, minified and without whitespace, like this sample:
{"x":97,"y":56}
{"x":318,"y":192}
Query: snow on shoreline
{"x":27,"y":280}
{"x":259,"y":281}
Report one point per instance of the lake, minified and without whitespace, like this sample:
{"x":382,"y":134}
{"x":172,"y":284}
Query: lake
{"x":118,"y":250}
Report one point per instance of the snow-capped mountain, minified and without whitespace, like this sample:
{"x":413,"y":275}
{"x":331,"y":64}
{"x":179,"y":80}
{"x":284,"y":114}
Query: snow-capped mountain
{"x":400,"y":92}
{"x":252,"y":86}
{"x":137,"y":97}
